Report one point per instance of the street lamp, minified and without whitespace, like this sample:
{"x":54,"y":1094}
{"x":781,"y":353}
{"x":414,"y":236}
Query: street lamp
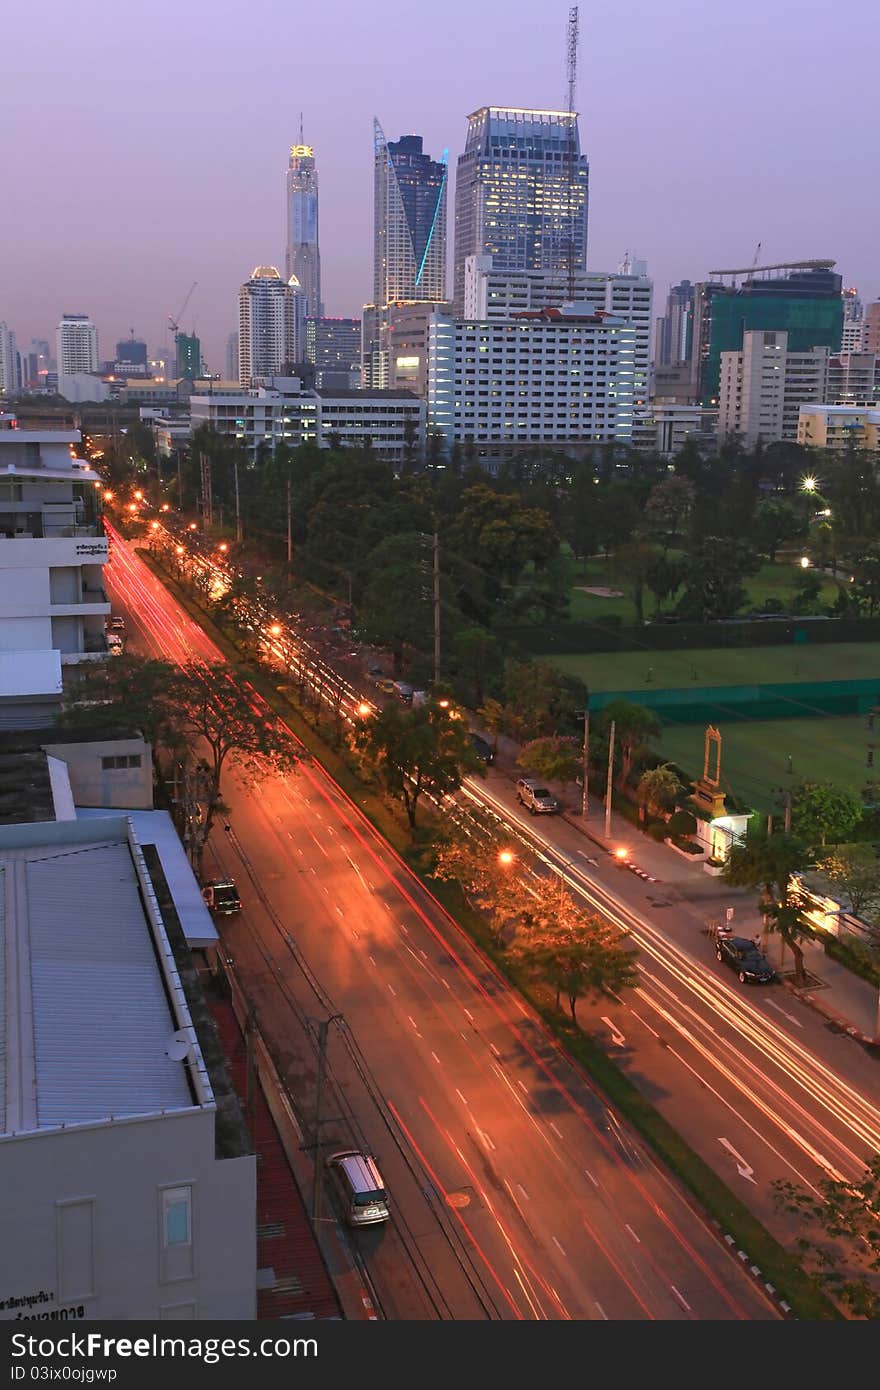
{"x":364,"y":709}
{"x":506,"y":857}
{"x":809,"y":484}
{"x":805,"y":562}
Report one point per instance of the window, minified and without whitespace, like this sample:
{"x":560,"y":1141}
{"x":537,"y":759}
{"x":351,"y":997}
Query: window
{"x":119,"y":761}
{"x":176,"y":1217}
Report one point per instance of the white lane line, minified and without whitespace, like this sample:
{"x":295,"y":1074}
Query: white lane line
{"x":681,"y":1298}
{"x":468,"y":1015}
{"x":559,"y":1247}
{"x":523,"y":1191}
{"x":486,"y":1140}
{"x":404,"y":929}
{"x":556,"y":1131}
{"x":590,"y":1176}
{"x":632,"y":1233}
{"x":413,"y":1022}
{"x":523,"y":1085}
{"x":494,"y":1049}
{"x":371,"y":885}
{"x":436,"y":1059}
{"x":290,"y":837}
{"x":372,"y":961}
{"x":300,"y":851}
{"x":339,"y":910}
{"x":444,"y":983}
{"x":791,"y":1018}
{"x":602,"y":1313}
{"x":312,"y":869}
{"x":643,"y":1023}
{"x":460,"y":1096}
{"x":393,"y":990}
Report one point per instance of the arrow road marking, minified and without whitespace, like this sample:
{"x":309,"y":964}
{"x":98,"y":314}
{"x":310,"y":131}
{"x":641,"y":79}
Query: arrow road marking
{"x":741,"y":1166}
{"x":616,"y":1035}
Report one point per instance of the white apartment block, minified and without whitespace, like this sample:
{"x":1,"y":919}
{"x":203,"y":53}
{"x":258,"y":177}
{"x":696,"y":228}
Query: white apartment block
{"x":669,"y":425}
{"x":120,"y":1197}
{"x":496,"y":294}
{"x":76,"y":345}
{"x":271,"y":325}
{"x":9,"y":374}
{"x":281,"y":412}
{"x":52,"y":553}
{"x":763,"y":387}
{"x":853,"y":379}
{"x":839,"y":427}
{"x":556,"y":376}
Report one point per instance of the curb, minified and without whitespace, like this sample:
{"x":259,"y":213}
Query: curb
{"x":758,"y":1276}
{"x":841,"y":1022}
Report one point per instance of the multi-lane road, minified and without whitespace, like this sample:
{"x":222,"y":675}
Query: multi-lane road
{"x":517,"y":1193}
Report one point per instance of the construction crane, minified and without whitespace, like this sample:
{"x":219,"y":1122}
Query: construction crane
{"x":174,"y":323}
{"x":757,"y":254}
{"x":571,"y":58}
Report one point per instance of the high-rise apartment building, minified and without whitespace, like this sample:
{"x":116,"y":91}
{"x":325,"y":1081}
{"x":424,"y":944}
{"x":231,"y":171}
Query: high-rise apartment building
{"x":675,"y":328}
{"x":765,"y":384}
{"x":76,"y":340}
{"x":409,"y":239}
{"x":270,"y":325}
{"x":805,"y":302}
{"x":333,"y":346}
{"x":302,"y":256}
{"x":854,"y":379}
{"x":872,"y":329}
{"x":853,"y":336}
{"x":9,"y":374}
{"x":521,"y":194}
{"x":231,"y":364}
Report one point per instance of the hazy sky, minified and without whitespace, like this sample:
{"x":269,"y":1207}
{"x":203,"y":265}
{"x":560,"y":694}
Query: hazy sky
{"x":145,"y":144}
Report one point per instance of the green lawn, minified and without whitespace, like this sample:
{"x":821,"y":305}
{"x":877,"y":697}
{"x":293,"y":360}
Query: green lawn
{"x":723,"y":666}
{"x":772,"y":583}
{"x":754,"y":756}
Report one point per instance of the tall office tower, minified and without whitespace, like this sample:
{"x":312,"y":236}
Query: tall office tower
{"x":805,"y":302}
{"x":853,"y":336}
{"x":9,"y":374}
{"x":521,"y":194}
{"x":333,"y":346}
{"x":409,"y":239}
{"x":872,"y":329}
{"x":76,"y":340}
{"x":132,"y":353}
{"x":189,"y":356}
{"x":270,"y":325}
{"x":675,"y":329}
{"x":302,"y":257}
{"x":232,"y":357}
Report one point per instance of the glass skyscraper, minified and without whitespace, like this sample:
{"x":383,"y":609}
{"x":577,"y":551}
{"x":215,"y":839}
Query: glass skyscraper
{"x":521,"y":194}
{"x":409,"y":239}
{"x":302,"y":258}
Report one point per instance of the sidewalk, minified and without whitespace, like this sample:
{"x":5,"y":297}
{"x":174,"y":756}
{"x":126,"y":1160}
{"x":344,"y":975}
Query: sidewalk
{"x":844,"y":998}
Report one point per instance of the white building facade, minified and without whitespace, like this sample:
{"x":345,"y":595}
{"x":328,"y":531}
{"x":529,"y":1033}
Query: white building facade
{"x":52,"y":553}
{"x":118,"y":1199}
{"x":764,"y":386}
{"x":555,"y":376}
{"x":76,"y":345}
{"x":270,"y":325}
{"x":9,"y":374}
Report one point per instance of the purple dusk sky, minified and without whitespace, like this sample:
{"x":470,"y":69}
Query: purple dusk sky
{"x":146,"y":145}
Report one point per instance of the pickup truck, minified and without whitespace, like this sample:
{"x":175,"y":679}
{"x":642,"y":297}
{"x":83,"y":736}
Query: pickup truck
{"x":537,"y":799}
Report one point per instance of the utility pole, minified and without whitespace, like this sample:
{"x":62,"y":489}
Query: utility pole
{"x":323,"y":1028}
{"x":237,"y":505}
{"x":179,"y":481}
{"x":289,"y":532}
{"x":608,"y":783}
{"x":250,"y":1028}
{"x":585,"y":803}
{"x":436,"y":609}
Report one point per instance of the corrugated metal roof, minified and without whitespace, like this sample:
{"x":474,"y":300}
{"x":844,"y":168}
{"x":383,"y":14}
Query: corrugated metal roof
{"x":102,"y":1021}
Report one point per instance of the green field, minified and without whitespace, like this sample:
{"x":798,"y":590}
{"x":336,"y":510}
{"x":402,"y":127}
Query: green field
{"x":644,"y":670}
{"x":754,"y":756}
{"x":772,"y":584}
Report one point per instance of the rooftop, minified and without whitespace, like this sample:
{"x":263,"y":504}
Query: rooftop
{"x":25,"y":787}
{"x":94,"y":1025}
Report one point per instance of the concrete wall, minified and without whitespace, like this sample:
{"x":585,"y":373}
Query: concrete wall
{"x":81,"y":1216}
{"x":123,"y":788}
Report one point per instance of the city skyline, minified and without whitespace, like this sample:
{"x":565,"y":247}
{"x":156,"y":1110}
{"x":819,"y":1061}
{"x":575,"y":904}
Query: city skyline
{"x":684,"y":174}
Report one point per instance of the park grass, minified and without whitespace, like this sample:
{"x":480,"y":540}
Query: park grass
{"x":755,"y":754}
{"x":658,"y":670}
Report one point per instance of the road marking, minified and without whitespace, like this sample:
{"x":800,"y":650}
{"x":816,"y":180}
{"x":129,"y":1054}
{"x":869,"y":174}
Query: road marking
{"x":486,"y":1140}
{"x":468,"y":1015}
{"x":339,"y":910}
{"x":494,"y":1049}
{"x":632,"y":1233}
{"x":681,"y":1298}
{"x":558,"y":1246}
{"x":616,"y":1036}
{"x":372,"y":961}
{"x":643,"y":1023}
{"x":444,"y":983}
{"x":523,"y":1085}
{"x":404,"y":929}
{"x":557,"y":1132}
{"x":460,"y":1096}
{"x":590,"y":1176}
{"x":436,"y":1059}
{"x":791,"y":1018}
{"x":414,"y":1024}
{"x":290,"y":837}
{"x":602,"y":1313}
{"x":393,"y":990}
{"x":743,"y":1168}
{"x":523,"y":1191}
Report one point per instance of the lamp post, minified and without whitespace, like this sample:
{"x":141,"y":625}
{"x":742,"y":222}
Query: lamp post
{"x":609,"y":781}
{"x":585,"y":797}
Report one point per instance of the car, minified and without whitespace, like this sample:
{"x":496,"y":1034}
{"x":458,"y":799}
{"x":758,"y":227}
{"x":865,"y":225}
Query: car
{"x":115,"y":644}
{"x":537,"y":799}
{"x":484,"y":751}
{"x":221,"y":897}
{"x":385,"y":685}
{"x":114,"y":622}
{"x":360,"y":1187}
{"x":404,"y":691}
{"x":745,"y":957}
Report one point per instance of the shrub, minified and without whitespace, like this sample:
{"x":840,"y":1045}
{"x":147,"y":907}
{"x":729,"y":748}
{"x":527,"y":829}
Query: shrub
{"x":681,"y":822}
{"x":683,"y":843}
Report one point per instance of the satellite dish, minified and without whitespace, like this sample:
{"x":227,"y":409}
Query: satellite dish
{"x":178,"y":1046}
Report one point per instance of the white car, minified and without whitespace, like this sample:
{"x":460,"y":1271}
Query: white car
{"x":537,"y":799}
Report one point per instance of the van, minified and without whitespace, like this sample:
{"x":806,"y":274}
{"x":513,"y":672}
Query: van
{"x":115,"y":644}
{"x":360,"y":1187}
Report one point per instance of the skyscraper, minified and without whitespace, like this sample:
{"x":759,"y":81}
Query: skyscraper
{"x":9,"y":382}
{"x":409,"y":238}
{"x":189,"y":356}
{"x":853,"y":321}
{"x":76,"y":340}
{"x":270,"y":325}
{"x":521,"y":193}
{"x":675,"y":329}
{"x":302,"y":257}
{"x":232,"y":357}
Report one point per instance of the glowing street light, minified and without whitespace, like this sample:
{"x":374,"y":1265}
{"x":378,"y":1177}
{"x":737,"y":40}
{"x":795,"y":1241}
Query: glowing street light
{"x":178,"y":550}
{"x":154,"y":525}
{"x":506,"y":857}
{"x":223,"y":547}
{"x":192,"y":526}
{"x":809,"y":484}
{"x":364,"y":709}
{"x":621,"y":854}
{"x":805,"y":562}
{"x":275,"y":629}
{"x":108,"y":496}
{"x":132,"y":506}
{"x":139,"y":496}
{"x":165,"y":507}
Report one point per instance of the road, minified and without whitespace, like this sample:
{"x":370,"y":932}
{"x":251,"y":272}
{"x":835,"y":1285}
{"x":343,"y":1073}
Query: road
{"x":517,"y":1193}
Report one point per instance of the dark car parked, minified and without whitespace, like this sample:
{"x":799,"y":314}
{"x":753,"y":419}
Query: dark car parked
{"x":483,"y":750}
{"x":743,"y":956}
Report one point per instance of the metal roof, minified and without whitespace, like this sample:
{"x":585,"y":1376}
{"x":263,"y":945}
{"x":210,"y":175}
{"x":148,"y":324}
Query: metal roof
{"x":88,"y":1021}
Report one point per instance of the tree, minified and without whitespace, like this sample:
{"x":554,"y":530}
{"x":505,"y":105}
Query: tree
{"x":554,"y":759}
{"x":855,"y":869}
{"x":768,"y":862}
{"x":632,"y":563}
{"x":588,"y":958}
{"x":841,"y":1235}
{"x":663,"y":578}
{"x":413,"y":751}
{"x":713,"y":578}
{"x":491,"y":715}
{"x":776,"y":521}
{"x":668,"y":508}
{"x":539,"y":699}
{"x":635,"y":727}
{"x":473,"y":861}
{"x":820,"y":811}
{"x":478,"y":660}
{"x":658,"y":788}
